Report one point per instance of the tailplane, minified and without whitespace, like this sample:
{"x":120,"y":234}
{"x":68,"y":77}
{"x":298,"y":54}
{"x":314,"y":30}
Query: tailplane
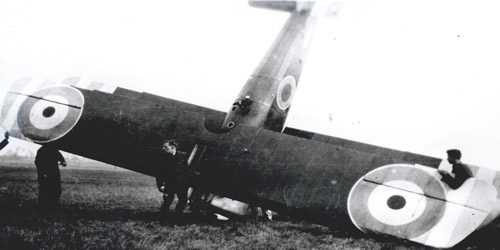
{"x":321,"y":8}
{"x":288,"y":6}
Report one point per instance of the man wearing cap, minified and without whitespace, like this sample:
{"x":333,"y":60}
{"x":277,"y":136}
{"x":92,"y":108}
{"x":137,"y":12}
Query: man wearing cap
{"x":461,"y":171}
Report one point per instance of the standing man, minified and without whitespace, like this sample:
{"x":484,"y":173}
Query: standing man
{"x":47,"y":163}
{"x":5,"y":141}
{"x":461,"y":171}
{"x":172,"y":177}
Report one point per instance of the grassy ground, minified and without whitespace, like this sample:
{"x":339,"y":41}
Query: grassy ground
{"x":113,"y":209}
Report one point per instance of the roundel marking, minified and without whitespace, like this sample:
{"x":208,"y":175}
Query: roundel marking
{"x":46,"y":114}
{"x":396,"y":202}
{"x":50,"y":113}
{"x":286,"y":90}
{"x":397,"y":205}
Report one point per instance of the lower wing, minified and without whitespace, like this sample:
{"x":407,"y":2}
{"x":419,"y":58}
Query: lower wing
{"x":411,"y":202}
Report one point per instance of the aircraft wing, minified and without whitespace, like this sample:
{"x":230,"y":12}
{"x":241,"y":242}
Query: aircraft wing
{"x":411,"y":202}
{"x":358,"y":146}
{"x":109,"y":124}
{"x":212,"y":117}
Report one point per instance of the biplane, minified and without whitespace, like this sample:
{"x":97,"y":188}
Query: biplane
{"x":249,"y":156}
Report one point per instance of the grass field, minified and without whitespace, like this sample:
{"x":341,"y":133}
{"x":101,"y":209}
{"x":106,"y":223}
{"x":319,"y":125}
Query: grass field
{"x":106,"y":208}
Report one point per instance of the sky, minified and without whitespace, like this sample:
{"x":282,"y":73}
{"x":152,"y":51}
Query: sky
{"x":417,"y":76}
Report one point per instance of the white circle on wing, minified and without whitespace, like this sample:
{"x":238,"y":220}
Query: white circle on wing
{"x":49,"y":112}
{"x":286,"y":90}
{"x":413,"y":207}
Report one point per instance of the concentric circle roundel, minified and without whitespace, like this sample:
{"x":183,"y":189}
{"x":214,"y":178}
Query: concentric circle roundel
{"x":286,"y":90}
{"x":395,"y":200}
{"x":394,"y":206}
{"x":50,"y":113}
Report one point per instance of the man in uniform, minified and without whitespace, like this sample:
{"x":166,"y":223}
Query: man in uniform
{"x":172,"y":178}
{"x":461,"y":171}
{"x":47,"y":163}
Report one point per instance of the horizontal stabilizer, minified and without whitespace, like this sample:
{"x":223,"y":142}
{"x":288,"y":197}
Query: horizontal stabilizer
{"x":287,"y":6}
{"x":320,"y":9}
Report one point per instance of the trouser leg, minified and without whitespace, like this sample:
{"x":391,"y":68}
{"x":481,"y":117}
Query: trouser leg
{"x":168,"y":197}
{"x":195,"y":200}
{"x":42,"y":195}
{"x":49,"y":194}
{"x":58,"y":191}
{"x":55,"y":194}
{"x":182,"y":196}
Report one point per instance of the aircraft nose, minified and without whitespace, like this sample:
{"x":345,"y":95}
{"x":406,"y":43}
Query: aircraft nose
{"x":41,"y":112}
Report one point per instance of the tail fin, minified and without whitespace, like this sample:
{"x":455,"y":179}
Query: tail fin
{"x":265,"y":99}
